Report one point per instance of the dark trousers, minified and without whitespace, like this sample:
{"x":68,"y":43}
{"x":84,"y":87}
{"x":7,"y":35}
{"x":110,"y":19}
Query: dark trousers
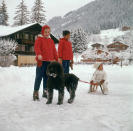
{"x":41,"y":74}
{"x":66,"y":64}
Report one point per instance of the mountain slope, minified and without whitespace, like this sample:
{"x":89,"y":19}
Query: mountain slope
{"x":95,"y":16}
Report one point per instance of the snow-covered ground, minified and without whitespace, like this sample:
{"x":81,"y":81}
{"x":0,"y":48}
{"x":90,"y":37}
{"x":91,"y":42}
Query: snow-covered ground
{"x":89,"y":112}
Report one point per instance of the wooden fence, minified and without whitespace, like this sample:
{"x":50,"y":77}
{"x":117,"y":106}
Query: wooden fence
{"x":26,"y":60}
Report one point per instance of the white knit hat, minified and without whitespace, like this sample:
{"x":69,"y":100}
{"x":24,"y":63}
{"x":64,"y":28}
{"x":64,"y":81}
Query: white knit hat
{"x":97,"y":64}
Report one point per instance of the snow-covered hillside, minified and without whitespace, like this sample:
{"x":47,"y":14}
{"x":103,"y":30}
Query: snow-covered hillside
{"x":95,"y":16}
{"x":94,"y":112}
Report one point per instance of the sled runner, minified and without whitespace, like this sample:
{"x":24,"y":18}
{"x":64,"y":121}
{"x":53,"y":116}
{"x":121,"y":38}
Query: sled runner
{"x":95,"y":86}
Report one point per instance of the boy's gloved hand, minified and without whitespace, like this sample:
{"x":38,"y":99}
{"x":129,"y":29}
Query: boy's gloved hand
{"x":101,"y":82}
{"x":71,"y":64}
{"x":40,"y":57}
{"x":60,"y":60}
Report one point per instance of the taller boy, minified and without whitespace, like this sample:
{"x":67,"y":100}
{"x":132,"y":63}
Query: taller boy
{"x":45,"y":53}
{"x":65,"y":52}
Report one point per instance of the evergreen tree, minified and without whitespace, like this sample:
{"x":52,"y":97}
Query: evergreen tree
{"x":22,"y":14}
{"x":79,"y":41}
{"x":1,"y":17}
{"x":38,"y":12}
{"x":3,"y":14}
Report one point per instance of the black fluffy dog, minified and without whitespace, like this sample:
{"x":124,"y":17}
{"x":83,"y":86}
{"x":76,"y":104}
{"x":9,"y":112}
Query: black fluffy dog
{"x":58,"y":80}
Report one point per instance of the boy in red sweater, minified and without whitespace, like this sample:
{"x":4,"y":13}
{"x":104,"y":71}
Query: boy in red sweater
{"x":45,"y":53}
{"x":65,"y":52}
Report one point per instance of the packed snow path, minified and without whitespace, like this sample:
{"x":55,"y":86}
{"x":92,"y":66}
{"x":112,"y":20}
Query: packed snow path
{"x":89,"y":112}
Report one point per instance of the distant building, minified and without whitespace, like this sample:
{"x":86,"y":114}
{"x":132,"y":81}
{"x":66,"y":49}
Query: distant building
{"x":97,"y":46}
{"x":117,"y":46}
{"x":125,"y":28}
{"x":25,"y":37}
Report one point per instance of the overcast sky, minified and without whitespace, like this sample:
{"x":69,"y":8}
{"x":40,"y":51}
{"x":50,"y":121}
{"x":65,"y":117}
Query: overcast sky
{"x":52,"y":7}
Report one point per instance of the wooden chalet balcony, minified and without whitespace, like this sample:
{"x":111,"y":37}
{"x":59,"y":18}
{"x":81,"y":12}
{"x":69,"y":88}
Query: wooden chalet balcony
{"x":25,"y":41}
{"x":24,"y":49}
{"x":24,"y":52}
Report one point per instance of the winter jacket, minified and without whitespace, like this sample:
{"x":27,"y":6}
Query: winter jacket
{"x":65,"y":49}
{"x":46,"y":48}
{"x":99,"y":75}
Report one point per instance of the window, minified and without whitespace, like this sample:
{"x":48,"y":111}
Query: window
{"x":18,"y":48}
{"x":23,"y":48}
{"x":27,"y":48}
{"x":17,"y":36}
{"x":26,"y":36}
{"x":32,"y":37}
{"x":32,"y":49}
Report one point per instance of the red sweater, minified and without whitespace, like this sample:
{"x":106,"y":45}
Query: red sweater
{"x":46,"y":48}
{"x":65,"y":50}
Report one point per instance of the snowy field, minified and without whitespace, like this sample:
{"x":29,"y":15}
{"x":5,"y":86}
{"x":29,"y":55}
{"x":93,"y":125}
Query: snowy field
{"x":89,"y":112}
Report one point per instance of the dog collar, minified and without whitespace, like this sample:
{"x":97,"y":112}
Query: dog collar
{"x":53,"y":75}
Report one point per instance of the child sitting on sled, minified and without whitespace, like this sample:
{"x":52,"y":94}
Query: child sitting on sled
{"x":99,"y":78}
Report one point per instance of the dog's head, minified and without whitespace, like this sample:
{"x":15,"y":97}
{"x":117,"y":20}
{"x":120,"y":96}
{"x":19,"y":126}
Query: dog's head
{"x":55,"y":69}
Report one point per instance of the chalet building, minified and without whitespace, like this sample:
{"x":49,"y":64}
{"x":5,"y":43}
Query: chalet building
{"x":125,"y":28}
{"x":25,"y":37}
{"x":117,"y":46}
{"x":97,"y":46}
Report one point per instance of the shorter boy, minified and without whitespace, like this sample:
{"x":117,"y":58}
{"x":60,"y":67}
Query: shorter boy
{"x":99,"y":78}
{"x":65,"y":52}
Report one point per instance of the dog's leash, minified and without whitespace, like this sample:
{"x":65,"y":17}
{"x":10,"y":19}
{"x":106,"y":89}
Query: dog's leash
{"x":87,"y":82}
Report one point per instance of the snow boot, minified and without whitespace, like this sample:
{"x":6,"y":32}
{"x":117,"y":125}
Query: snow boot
{"x":44,"y":94}
{"x":35,"y":95}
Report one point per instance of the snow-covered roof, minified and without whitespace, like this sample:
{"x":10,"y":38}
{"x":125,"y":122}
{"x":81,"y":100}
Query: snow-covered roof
{"x":98,"y":44}
{"x":117,"y":43}
{"x":8,"y":30}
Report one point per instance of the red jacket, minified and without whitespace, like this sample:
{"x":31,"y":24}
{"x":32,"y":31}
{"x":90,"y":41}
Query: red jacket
{"x":65,"y":49}
{"x":46,"y":48}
